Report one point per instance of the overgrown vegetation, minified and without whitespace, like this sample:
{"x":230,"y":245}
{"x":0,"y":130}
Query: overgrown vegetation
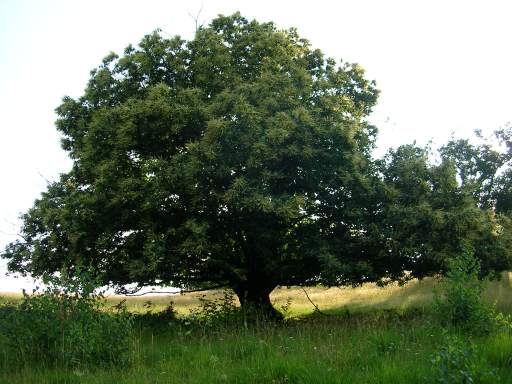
{"x":458,"y":301}
{"x":211,"y":343}
{"x":459,"y":307}
{"x":457,"y":362}
{"x":66,"y":325}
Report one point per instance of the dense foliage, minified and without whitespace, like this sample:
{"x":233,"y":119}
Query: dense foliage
{"x":67,"y":328}
{"x":458,"y":302}
{"x":242,"y":159}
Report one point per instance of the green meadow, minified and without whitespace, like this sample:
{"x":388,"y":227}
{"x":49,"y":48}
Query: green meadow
{"x":366,"y":334}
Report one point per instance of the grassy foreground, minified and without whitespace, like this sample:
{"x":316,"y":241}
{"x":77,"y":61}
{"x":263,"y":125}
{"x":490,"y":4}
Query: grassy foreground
{"x":367,"y":335}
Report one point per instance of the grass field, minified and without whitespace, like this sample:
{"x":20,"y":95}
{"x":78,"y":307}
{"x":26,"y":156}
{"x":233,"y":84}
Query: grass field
{"x":366,"y":335}
{"x":415,"y":294}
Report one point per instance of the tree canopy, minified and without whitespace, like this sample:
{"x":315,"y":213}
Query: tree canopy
{"x":242,"y":159}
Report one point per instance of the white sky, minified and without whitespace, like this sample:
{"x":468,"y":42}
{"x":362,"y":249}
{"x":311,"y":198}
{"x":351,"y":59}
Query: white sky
{"x":441,"y":66}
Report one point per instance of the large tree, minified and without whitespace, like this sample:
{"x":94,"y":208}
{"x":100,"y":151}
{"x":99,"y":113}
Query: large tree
{"x":239,"y":159}
{"x":228,"y":160}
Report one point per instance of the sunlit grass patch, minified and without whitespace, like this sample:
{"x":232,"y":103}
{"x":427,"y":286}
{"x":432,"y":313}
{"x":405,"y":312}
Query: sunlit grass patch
{"x":415,"y":294}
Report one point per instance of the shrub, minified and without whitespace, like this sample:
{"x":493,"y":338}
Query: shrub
{"x":457,"y":363}
{"x":218,"y":312}
{"x":458,"y":301}
{"x":66,"y":325}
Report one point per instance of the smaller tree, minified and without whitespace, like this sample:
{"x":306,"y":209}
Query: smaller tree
{"x":427,"y":218}
{"x":478,"y":168}
{"x":458,"y":301}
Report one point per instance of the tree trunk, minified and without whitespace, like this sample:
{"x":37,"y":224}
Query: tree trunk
{"x":255,"y":303}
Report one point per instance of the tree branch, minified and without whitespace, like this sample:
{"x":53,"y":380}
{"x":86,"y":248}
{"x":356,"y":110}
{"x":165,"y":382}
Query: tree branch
{"x":312,"y":303}
{"x":196,"y":18}
{"x":182,"y":292}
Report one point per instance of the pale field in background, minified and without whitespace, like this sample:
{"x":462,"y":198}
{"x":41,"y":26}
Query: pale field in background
{"x":416,"y":293}
{"x":368,"y":296}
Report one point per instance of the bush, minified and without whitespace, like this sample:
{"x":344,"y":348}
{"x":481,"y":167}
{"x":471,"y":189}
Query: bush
{"x":457,"y":363}
{"x":216,"y":313}
{"x":67,"y":326}
{"x":458,"y":301}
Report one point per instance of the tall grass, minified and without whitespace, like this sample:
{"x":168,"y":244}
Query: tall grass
{"x":368,"y":335}
{"x":374,"y":347}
